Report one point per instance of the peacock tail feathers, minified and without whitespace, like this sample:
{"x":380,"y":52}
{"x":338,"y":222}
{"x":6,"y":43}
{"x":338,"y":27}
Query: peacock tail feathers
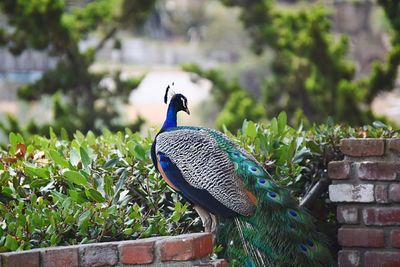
{"x":273,"y":231}
{"x":279,"y":233}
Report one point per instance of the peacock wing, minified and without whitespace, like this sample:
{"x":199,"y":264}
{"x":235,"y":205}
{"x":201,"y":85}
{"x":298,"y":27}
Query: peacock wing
{"x":194,"y":155}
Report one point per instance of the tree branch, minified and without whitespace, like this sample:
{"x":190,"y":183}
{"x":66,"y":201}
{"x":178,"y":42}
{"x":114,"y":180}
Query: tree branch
{"x":110,"y":34}
{"x":318,"y":189}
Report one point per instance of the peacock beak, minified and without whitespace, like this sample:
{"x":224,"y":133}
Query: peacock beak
{"x":187,"y":111}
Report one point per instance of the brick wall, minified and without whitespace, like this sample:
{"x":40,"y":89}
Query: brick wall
{"x":184,"y":250}
{"x":366,"y":188}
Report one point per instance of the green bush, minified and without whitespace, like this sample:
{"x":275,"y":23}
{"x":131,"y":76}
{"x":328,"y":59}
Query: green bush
{"x":89,"y":189}
{"x":56,"y":191}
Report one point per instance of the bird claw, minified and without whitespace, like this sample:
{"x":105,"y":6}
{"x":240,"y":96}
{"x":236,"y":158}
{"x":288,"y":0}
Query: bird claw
{"x":209,"y":220}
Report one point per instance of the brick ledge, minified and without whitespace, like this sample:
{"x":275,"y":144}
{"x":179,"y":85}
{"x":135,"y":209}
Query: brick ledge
{"x":184,"y":250}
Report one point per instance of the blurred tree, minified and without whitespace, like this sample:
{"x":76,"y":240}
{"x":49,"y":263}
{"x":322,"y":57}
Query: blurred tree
{"x":311,"y":74}
{"x":384,"y":74}
{"x":232,"y":99}
{"x":86,"y":102}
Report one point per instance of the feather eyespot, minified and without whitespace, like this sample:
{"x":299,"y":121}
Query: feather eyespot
{"x":272,"y":194}
{"x":264,"y":183}
{"x":293,"y":213}
{"x":254,"y":169}
{"x":303,"y":248}
{"x":310,"y":242}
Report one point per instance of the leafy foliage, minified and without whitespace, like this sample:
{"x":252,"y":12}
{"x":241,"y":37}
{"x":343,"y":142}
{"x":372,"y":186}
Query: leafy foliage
{"x":57,"y":191}
{"x":89,"y":189}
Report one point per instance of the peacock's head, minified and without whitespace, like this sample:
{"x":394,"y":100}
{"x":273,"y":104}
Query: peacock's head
{"x":179,"y":101}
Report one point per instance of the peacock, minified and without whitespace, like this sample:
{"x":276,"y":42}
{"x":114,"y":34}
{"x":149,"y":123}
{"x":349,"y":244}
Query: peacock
{"x":258,"y":222}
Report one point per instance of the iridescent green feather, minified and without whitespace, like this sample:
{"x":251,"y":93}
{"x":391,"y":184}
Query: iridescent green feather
{"x":279,"y":233}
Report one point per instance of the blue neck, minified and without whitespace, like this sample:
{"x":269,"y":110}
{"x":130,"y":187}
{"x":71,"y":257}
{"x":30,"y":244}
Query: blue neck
{"x":170,"y":121}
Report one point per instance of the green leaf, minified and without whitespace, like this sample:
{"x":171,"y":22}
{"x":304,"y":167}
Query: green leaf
{"x":139,"y":152}
{"x":12,"y":138}
{"x":128,"y":231}
{"x":91,"y":138}
{"x":11,"y":243}
{"x":108,"y":182}
{"x":53,"y":136}
{"x":7,"y":191}
{"x":121,"y":181}
{"x":39,"y":182}
{"x":32,"y":170}
{"x":379,"y":124}
{"x":64,"y":134}
{"x":74,"y":158}
{"x":282,"y":121}
{"x":274,"y":126}
{"x":58,"y":159}
{"x":76,"y":196}
{"x":111,"y":163}
{"x":83,"y":222}
{"x":84,"y":157}
{"x":57,"y":196}
{"x":76,"y":178}
{"x":251,"y":130}
{"x":94,"y":195}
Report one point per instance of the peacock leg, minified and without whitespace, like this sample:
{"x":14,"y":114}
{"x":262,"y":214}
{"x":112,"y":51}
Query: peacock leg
{"x":214,"y":223}
{"x":205,"y":217}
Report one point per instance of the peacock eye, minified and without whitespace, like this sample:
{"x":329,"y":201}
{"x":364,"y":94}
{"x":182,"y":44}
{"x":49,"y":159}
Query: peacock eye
{"x":293,"y":213}
{"x":262,"y":181}
{"x":272,"y":194}
{"x":310,"y":242}
{"x":303,"y":248}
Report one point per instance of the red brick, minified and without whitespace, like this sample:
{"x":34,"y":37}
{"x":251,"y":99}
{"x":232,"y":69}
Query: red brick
{"x":381,"y":193}
{"x":381,"y":216}
{"x":395,"y":238}
{"x":382,"y":171}
{"x":186,"y":247}
{"x":19,"y":259}
{"x":381,"y":259}
{"x":138,"y":251}
{"x":394,"y":144}
{"x":349,"y":258}
{"x":60,"y":257}
{"x":361,"y":237}
{"x":347,"y":214}
{"x":394,"y":192}
{"x":362,"y":147}
{"x":339,"y":170}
